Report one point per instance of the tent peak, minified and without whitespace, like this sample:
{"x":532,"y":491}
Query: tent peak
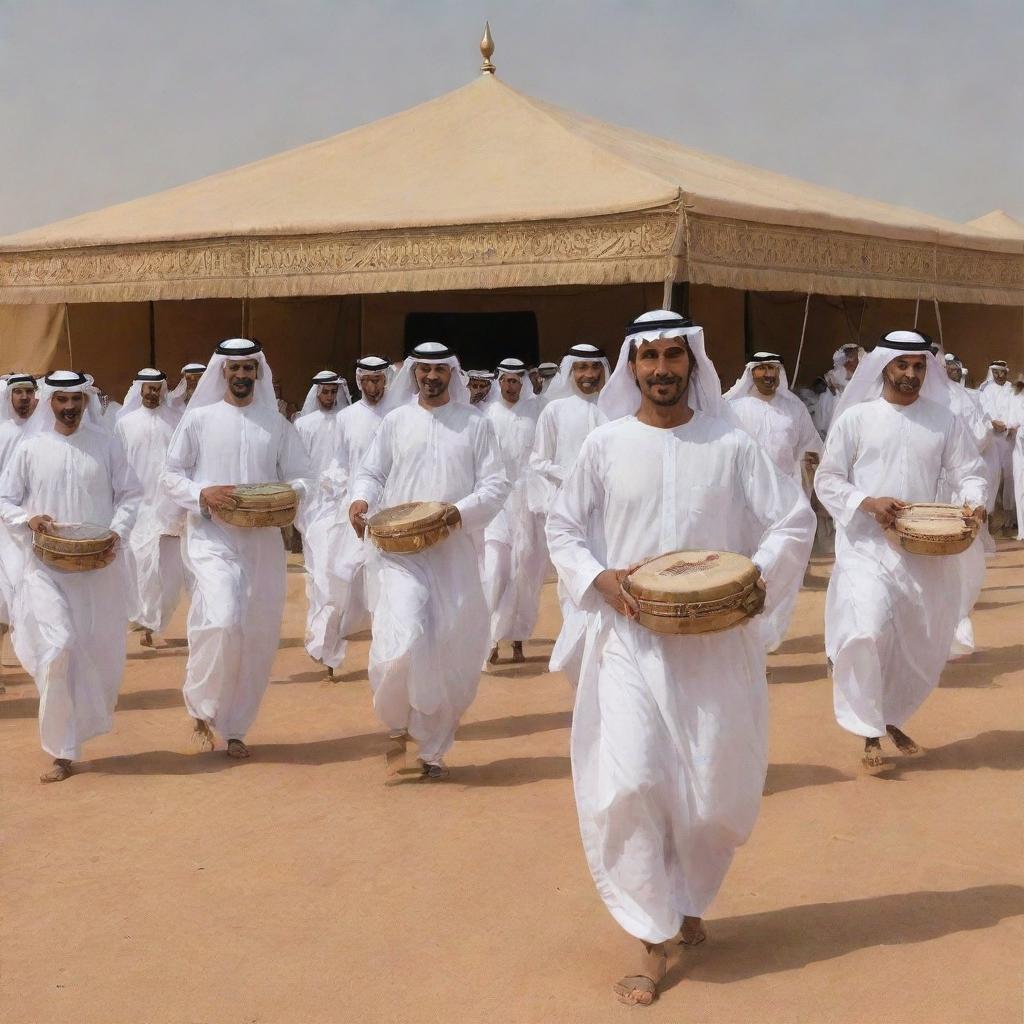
{"x":487,"y":50}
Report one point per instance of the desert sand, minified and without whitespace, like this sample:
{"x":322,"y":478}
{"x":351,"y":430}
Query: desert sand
{"x":169,"y":888}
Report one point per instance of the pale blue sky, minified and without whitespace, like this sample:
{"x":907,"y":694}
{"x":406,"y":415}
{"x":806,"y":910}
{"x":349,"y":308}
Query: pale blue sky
{"x":914,"y":102}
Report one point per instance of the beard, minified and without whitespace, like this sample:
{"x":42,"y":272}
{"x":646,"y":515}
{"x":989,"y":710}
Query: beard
{"x":242,"y":387}
{"x":674,"y":385}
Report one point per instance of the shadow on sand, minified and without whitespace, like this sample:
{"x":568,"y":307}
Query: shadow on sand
{"x":784,"y":777}
{"x":753,"y":945}
{"x":980,"y":669}
{"x":1001,"y":749}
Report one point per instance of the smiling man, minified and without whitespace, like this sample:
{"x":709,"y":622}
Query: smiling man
{"x":232,"y":434}
{"x":69,"y":627}
{"x":430,"y":621}
{"x":890,"y":616}
{"x":669,"y":733}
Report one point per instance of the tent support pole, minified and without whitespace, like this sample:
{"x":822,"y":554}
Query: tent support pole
{"x":938,"y":320}
{"x":152,"y":333}
{"x":803,"y":334}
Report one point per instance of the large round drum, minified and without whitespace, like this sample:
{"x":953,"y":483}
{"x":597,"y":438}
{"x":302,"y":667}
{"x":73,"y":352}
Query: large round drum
{"x":261,"y":505}
{"x":928,"y":528}
{"x":688,"y":592}
{"x":410,"y":528}
{"x":74,"y":547}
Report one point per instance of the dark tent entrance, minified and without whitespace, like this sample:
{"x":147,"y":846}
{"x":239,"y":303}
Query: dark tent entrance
{"x":479,"y":339}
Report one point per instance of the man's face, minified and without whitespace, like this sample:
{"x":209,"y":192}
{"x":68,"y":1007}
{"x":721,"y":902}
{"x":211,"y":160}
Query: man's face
{"x":537,"y":381}
{"x":589,"y":376}
{"x":151,"y":394}
{"x":905,"y":374}
{"x":662,"y":370}
{"x":433,"y":379}
{"x":766,"y":378}
{"x":511,"y":387}
{"x":852,"y":359}
{"x":478,"y":389}
{"x":372,"y":385}
{"x":953,"y":371}
{"x":68,"y":408}
{"x":241,"y":377}
{"x":327,"y":396}
{"x":191,"y":380}
{"x":999,"y":374}
{"x":23,"y":400}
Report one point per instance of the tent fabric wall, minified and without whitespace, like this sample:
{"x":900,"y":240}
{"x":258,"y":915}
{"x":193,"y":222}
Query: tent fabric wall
{"x":31,"y":337}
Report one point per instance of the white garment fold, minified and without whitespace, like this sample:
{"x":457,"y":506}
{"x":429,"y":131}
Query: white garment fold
{"x":669,"y":733}
{"x":69,"y":628}
{"x":430,"y":620}
{"x":234,"y":623}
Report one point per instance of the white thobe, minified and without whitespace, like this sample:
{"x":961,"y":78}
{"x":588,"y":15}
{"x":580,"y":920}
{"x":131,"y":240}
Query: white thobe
{"x":12,"y":553}
{"x":155,"y":542}
{"x":890,"y":616}
{"x":785,"y":431}
{"x":562,"y":428}
{"x":347,"y":606}
{"x":669,"y":733}
{"x":430,"y":620}
{"x":69,"y":628}
{"x":515,"y":556}
{"x":319,"y":433}
{"x":997,"y":401}
{"x":234,"y":622}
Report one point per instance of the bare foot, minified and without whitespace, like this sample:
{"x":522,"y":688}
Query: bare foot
{"x":642,"y":989}
{"x":202,"y":736}
{"x":394,"y":755}
{"x":494,"y":655}
{"x":238,"y":750}
{"x":517,"y":652}
{"x":904,"y":744}
{"x":59,"y":772}
{"x":146,"y":639}
{"x":872,"y":759}
{"x":692,"y":933}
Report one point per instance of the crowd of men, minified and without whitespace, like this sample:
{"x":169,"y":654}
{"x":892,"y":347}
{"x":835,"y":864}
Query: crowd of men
{"x":580,"y":466}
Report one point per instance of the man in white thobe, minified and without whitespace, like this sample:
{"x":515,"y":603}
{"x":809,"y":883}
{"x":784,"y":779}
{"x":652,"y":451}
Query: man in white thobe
{"x":317,"y":426}
{"x":144,"y":429}
{"x":430,"y":621}
{"x":669,"y":733}
{"x":515,"y":556}
{"x":186,"y":386}
{"x":346,"y":607}
{"x":479,"y":383}
{"x":18,"y":400}
{"x":231,"y":434}
{"x":890,"y":615}
{"x":569,"y":416}
{"x":845,"y":360}
{"x":997,"y":400}
{"x":780,"y":423}
{"x":69,"y":627}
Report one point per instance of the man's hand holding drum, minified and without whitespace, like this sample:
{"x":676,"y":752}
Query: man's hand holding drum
{"x":40,"y":524}
{"x":220,"y":496}
{"x":883,"y":509}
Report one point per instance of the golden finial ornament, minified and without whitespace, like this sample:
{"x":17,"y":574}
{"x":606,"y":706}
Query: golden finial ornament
{"x":487,"y":49}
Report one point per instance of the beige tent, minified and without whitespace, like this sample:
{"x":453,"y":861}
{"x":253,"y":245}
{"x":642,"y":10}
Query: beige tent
{"x":999,"y":222}
{"x":483,"y":199}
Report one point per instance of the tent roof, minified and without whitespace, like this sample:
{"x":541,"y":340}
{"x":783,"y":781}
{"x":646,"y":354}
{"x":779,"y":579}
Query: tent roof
{"x":998,"y":222}
{"x":484,"y":153}
{"x":485,"y":187}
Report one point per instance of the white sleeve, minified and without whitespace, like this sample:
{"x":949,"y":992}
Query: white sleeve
{"x":182,"y":455}
{"x":832,"y":481}
{"x":484,"y":502}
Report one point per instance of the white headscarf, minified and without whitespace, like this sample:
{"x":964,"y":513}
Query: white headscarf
{"x":745,"y":384}
{"x":839,"y":357}
{"x":866,"y":383}
{"x":621,"y":396}
{"x":565,"y":384}
{"x":13,"y":380}
{"x":212,"y":386}
{"x":311,"y":403}
{"x":517,"y":368}
{"x":133,"y":397}
{"x":43,"y":420}
{"x":999,"y":364}
{"x":403,"y":390}
{"x":369,"y":365}
{"x":950,"y":358}
{"x":178,"y":394}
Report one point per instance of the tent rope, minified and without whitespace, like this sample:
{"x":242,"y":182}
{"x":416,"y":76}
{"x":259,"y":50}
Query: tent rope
{"x":938,"y":320}
{"x":803,"y":334}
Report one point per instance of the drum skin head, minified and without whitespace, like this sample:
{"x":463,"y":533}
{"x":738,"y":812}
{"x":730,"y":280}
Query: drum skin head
{"x":703,"y":575}
{"x":401,"y":517}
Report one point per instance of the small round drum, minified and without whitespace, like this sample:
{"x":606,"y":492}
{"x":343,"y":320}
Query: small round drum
{"x":410,"y":528}
{"x":688,"y":592}
{"x":934,"y":529}
{"x":261,"y":505}
{"x":74,"y":547}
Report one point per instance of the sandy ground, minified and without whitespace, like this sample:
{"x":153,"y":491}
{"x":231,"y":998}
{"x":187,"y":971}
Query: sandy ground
{"x":159,"y":887}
